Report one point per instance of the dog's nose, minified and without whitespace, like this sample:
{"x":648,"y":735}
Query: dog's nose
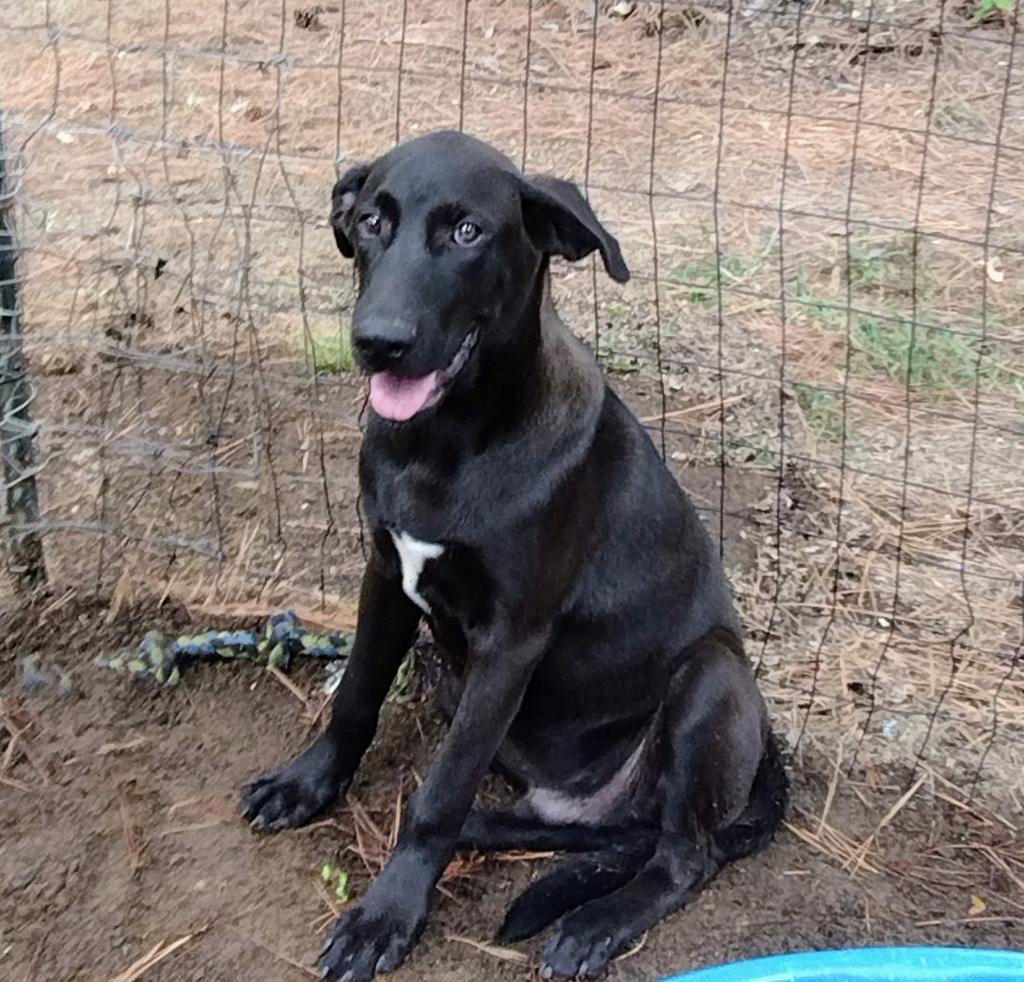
{"x":381,"y":341}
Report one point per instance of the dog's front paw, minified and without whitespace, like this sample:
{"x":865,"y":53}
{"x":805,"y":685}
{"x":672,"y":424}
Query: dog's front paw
{"x":578,"y":952}
{"x":366,"y":941}
{"x":294,"y":795}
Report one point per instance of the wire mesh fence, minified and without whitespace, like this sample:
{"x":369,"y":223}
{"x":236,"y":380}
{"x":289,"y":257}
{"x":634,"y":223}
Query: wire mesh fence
{"x":21,"y":498}
{"x":822,"y":204}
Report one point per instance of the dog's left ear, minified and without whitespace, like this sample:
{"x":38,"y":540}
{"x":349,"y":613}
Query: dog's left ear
{"x":561,"y":223}
{"x":343,"y":200}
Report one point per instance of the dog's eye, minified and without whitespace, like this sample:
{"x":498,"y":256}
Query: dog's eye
{"x":369,"y":224}
{"x":466,"y":233}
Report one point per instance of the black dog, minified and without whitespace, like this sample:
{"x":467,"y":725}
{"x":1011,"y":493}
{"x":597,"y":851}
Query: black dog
{"x":592,"y":648}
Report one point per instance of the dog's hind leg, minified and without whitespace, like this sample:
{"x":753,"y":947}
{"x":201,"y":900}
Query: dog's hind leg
{"x":573,"y":883}
{"x":715,"y":739}
{"x":495,"y":831}
{"x":613,"y":854}
{"x":592,"y":934}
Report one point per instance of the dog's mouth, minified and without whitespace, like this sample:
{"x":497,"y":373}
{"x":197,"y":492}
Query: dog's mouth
{"x":400,"y":397}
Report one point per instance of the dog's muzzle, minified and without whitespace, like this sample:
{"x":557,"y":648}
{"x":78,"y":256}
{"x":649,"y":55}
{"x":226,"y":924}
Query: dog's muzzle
{"x":400,"y":397}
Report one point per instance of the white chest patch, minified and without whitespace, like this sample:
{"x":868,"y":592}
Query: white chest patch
{"x":413,"y":554}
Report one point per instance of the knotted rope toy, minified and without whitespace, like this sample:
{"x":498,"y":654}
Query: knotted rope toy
{"x":283,"y":639}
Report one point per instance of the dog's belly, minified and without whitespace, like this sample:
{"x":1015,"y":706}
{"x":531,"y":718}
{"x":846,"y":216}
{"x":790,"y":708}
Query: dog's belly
{"x":564,"y":808}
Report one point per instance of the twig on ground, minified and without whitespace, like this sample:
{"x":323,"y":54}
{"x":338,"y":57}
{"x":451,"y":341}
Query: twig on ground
{"x":493,"y":950}
{"x":154,"y":956}
{"x":212,"y":806}
{"x":941,"y":921}
{"x":342,"y":619}
{"x":291,"y":687}
{"x":633,"y":949}
{"x":131,"y":834}
{"x":119,"y":748}
{"x":396,"y":824}
{"x":18,"y":735}
{"x":315,"y":719}
{"x":712,"y":405}
{"x":833,"y":785}
{"x":965,"y":804}
{"x":832,"y":843}
{"x":181,"y":829}
{"x":17,"y":785}
{"x":521,"y":857}
{"x":861,"y":852}
{"x":298,"y":966}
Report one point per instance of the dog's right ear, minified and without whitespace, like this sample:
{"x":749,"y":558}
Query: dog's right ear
{"x":343,"y":200}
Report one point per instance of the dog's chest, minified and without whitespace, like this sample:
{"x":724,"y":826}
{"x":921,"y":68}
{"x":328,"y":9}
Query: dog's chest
{"x":413,"y":555}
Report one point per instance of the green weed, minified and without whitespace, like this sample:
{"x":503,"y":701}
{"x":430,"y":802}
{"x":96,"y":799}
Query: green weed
{"x":614,"y":359}
{"x":880,"y":266}
{"x":955,"y":115}
{"x":615,"y":311}
{"x":703,"y":277}
{"x":330,"y":352}
{"x":336,"y":877}
{"x":822,"y":410}
{"x":986,"y":8}
{"x":935,"y":358}
{"x":403,"y":688}
{"x":816,"y":306}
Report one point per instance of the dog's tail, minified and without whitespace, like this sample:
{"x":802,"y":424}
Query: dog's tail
{"x":769,"y":796}
{"x":574,"y":882}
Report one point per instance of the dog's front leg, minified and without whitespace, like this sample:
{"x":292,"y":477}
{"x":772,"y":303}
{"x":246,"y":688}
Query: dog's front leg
{"x":314,"y":780}
{"x":377,"y":934}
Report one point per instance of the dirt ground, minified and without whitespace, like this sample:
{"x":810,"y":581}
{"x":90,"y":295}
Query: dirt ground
{"x":121,"y":838}
{"x":825,"y":222}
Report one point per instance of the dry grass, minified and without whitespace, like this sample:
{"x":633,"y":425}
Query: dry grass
{"x":153,"y":957}
{"x":875,"y":524}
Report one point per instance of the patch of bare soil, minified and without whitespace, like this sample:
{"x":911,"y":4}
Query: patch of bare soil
{"x":121,"y":836}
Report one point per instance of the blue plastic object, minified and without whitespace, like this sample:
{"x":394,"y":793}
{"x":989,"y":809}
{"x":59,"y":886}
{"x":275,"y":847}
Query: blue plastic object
{"x":872,"y":965}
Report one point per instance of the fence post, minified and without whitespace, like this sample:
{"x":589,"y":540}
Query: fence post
{"x":17,"y":432}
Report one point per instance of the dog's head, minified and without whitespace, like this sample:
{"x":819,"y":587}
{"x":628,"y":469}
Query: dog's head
{"x":449,"y":241}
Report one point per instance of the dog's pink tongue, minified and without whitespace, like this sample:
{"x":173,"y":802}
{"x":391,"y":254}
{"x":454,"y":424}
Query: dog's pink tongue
{"x":400,"y":398}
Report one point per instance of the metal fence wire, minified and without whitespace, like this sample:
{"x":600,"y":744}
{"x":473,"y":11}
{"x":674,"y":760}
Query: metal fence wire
{"x":822,"y":203}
